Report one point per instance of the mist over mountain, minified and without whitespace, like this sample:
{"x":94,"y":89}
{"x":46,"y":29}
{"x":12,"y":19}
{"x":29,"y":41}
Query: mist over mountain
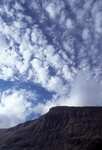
{"x":62,"y":128}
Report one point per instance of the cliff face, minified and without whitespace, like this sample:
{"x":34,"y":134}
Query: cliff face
{"x":62,"y":128}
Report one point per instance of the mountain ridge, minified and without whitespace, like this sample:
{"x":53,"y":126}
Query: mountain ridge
{"x":62,"y":128}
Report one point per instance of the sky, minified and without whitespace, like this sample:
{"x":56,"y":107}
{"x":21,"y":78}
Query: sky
{"x":50,"y":55}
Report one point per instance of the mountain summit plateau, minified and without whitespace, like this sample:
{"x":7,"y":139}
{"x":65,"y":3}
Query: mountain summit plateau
{"x":62,"y":128}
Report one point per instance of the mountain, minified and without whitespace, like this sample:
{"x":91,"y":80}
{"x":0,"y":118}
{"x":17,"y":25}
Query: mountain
{"x":62,"y":128}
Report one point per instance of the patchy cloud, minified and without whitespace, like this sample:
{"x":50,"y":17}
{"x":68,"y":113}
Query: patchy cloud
{"x":46,"y":45}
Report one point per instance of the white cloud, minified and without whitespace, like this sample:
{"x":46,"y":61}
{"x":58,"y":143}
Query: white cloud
{"x":41,"y":73}
{"x":97,"y":7}
{"x":3,"y":43}
{"x":88,"y":4}
{"x":43,"y":108}
{"x":37,"y":36}
{"x":96,"y":13}
{"x":86,"y":34}
{"x":98,"y":22}
{"x":22,"y":1}
{"x":7,"y":73}
{"x":20,"y":24}
{"x":21,"y":67}
{"x":85,"y":92}
{"x":55,"y":84}
{"x":15,"y":107}
{"x":34,"y":37}
{"x":35,"y":5}
{"x":29,"y":19}
{"x":51,"y":10}
{"x":18,"y":7}
{"x":15,"y":34}
{"x":7,"y":9}
{"x":49,"y":49}
{"x":54,"y":8}
{"x":68,"y":75}
{"x":70,"y":24}
{"x":27,"y":54}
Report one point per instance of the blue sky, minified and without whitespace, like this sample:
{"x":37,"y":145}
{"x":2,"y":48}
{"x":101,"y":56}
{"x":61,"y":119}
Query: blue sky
{"x":50,"y":55}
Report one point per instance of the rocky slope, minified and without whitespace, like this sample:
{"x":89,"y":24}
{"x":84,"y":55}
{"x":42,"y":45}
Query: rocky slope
{"x":62,"y":128}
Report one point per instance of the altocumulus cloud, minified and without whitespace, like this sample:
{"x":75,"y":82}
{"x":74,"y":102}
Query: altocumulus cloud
{"x":50,"y":54}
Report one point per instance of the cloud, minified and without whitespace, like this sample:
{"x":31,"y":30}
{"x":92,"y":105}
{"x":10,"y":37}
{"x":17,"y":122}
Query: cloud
{"x":37,"y":36}
{"x":8,"y":72}
{"x":98,"y":22}
{"x":70,"y":23}
{"x":18,"y":7}
{"x":41,"y":73}
{"x":54,"y":8}
{"x":15,"y":107}
{"x":46,"y":43}
{"x":50,"y":9}
{"x":86,"y":34}
{"x":22,"y":1}
{"x":54,"y":84}
{"x":3,"y":43}
{"x":85,"y":92}
{"x":20,"y":24}
{"x":43,"y":108}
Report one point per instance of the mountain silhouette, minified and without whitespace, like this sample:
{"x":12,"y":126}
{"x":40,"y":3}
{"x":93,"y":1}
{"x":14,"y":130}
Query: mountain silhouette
{"x":62,"y":128}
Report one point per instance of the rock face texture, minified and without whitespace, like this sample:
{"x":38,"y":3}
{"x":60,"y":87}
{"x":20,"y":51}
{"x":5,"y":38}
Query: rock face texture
{"x":62,"y":128}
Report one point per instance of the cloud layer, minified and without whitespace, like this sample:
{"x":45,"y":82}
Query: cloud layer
{"x":46,"y":45}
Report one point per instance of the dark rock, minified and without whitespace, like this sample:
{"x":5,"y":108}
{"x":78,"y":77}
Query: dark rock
{"x":62,"y":128}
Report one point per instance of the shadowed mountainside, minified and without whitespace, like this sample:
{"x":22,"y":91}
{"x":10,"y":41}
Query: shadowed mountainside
{"x":62,"y":128}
